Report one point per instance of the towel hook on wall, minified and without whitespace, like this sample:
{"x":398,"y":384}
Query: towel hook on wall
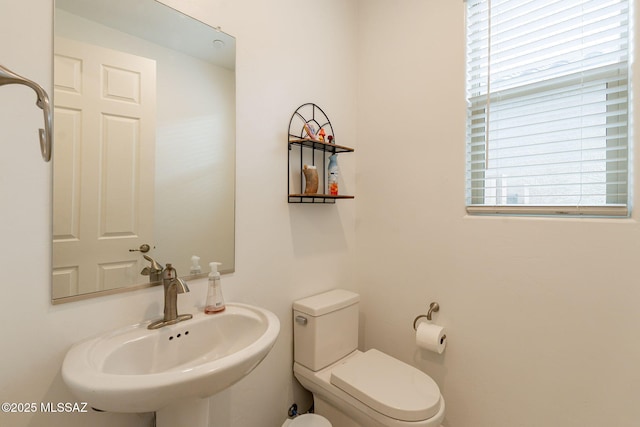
{"x":9,"y":77}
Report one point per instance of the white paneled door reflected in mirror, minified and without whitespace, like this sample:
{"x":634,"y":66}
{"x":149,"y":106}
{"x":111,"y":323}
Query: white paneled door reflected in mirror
{"x":144,"y":145}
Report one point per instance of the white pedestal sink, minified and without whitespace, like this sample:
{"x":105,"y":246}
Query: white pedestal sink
{"x":172,"y":369}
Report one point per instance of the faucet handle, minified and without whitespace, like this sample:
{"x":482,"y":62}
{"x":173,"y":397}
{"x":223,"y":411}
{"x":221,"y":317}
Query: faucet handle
{"x":154,"y":271}
{"x":154,"y":264}
{"x":169,"y":272}
{"x":170,"y":276}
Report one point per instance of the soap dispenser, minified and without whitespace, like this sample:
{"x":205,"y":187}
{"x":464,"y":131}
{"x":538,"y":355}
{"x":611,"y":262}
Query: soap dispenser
{"x":215,"y":301}
{"x":195,"y":265}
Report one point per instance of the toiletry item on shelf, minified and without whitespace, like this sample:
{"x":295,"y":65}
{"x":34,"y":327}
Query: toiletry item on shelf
{"x":215,"y":301}
{"x":195,"y":265}
{"x":311,"y":179}
{"x":311,"y":131}
{"x":333,"y":174}
{"x":321,"y":134}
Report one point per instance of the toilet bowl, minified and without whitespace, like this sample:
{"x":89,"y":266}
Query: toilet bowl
{"x":352,"y":388}
{"x":307,"y":420}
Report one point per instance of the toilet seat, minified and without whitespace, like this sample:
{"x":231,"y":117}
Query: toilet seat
{"x":388,"y":386}
{"x":319,"y":383}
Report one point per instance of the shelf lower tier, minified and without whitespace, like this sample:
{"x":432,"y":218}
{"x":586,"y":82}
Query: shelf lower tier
{"x":316,"y":198}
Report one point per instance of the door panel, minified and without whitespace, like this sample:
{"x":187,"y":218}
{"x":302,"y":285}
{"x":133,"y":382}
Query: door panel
{"x":104,"y":196}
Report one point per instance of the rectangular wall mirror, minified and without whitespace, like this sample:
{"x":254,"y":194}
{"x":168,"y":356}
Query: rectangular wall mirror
{"x":144,"y":145}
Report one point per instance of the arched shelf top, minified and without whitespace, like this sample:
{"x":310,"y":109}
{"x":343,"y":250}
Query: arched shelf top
{"x":309,"y":118}
{"x":310,"y":128}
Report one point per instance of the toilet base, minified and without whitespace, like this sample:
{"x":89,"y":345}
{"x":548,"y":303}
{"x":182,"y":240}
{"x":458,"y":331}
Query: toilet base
{"x":336,"y":417}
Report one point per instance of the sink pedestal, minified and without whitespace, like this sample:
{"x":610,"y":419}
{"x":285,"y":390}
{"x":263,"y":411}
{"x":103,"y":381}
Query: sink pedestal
{"x":186,"y":412}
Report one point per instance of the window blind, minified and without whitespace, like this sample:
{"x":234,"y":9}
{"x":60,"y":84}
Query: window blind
{"x":548,"y":106}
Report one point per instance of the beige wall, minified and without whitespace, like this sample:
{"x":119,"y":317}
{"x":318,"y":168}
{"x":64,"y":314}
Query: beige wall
{"x":542,"y":315}
{"x":283,"y":252}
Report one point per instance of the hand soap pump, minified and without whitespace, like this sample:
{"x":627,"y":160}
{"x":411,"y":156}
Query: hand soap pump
{"x":195,"y":266}
{"x":215,"y":301}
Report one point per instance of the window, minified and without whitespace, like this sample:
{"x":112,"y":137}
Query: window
{"x":548,"y":106}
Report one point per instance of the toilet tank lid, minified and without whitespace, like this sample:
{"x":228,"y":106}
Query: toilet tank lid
{"x":326,"y":302}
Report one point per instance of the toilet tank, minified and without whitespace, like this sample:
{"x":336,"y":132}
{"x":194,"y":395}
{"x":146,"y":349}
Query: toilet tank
{"x":325,"y":328}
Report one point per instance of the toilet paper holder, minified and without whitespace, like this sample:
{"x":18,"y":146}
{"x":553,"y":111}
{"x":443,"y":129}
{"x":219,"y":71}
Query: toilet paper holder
{"x":434,"y":307}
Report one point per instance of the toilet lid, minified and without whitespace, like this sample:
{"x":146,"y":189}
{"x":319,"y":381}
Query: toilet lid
{"x":388,"y":386}
{"x":310,"y":420}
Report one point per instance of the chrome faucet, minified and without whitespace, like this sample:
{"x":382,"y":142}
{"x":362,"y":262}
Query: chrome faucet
{"x":154,"y":271}
{"x":172,"y":287}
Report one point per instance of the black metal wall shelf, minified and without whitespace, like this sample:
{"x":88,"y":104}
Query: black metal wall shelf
{"x":320,"y":145}
{"x":316,"y":198}
{"x":311,"y":115}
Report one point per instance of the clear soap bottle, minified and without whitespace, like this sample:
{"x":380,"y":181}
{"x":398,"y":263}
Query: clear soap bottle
{"x":215,"y":300}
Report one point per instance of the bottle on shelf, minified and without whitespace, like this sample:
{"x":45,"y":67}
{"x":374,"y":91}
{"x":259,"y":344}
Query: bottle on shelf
{"x":333,"y":175}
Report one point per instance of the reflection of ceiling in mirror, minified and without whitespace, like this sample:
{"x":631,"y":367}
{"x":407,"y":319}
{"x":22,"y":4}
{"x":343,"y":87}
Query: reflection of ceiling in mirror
{"x":200,"y":41}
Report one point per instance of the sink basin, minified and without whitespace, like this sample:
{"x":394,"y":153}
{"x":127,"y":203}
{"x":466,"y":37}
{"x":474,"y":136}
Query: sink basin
{"x":135,"y":369}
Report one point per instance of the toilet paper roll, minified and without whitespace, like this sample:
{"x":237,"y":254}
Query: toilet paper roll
{"x":431,"y":337}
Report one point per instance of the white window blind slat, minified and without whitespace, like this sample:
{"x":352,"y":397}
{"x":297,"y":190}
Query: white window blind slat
{"x":548,"y":106}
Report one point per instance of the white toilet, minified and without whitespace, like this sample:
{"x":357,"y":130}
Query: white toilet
{"x":353,"y":388}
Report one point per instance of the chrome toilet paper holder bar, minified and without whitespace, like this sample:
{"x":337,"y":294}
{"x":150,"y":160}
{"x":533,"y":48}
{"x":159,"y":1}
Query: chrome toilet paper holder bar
{"x":434,"y":307}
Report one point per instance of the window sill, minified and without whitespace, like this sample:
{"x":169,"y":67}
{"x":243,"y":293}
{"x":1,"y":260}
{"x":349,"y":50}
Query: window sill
{"x":617,"y":211}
